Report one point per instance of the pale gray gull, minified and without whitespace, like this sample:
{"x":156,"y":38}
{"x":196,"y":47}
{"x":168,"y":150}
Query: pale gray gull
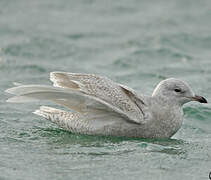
{"x":99,"y":106}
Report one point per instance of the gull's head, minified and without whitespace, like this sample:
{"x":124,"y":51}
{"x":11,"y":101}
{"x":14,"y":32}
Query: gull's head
{"x":177,"y":91}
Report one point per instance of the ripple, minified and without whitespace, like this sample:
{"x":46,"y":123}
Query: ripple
{"x":33,"y":67}
{"x":40,"y":47}
{"x":163,"y":52}
{"x":198,"y":112}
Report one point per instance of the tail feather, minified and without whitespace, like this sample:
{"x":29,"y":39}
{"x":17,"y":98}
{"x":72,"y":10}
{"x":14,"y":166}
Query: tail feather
{"x":46,"y":111}
{"x":62,"y":118}
{"x":77,"y":122}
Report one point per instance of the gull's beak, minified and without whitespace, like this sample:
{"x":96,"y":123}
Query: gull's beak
{"x":199,"y":99}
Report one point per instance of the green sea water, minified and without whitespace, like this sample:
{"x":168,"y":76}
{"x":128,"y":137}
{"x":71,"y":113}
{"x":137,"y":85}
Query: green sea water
{"x":137,"y":43}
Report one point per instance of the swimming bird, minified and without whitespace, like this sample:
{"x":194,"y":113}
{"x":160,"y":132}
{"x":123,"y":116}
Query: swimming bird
{"x":99,"y":106}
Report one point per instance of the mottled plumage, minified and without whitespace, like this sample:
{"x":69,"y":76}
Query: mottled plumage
{"x":102,"y":107}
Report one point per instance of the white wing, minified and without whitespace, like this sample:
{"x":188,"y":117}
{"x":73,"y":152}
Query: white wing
{"x":87,"y":94}
{"x":88,"y":106}
{"x":124,"y":99}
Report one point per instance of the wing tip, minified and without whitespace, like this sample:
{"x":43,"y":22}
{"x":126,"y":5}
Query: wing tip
{"x":62,"y":80}
{"x":54,"y":77}
{"x":10,"y":90}
{"x":38,"y":112}
{"x":47,"y":112}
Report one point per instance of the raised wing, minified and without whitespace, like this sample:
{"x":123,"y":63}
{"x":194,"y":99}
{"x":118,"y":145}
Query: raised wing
{"x":75,"y":100}
{"x":121,"y":97}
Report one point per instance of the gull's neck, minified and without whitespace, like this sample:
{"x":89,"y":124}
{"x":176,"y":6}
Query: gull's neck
{"x":166,"y":101}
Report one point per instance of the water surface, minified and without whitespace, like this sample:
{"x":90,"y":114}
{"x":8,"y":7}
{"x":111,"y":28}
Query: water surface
{"x":137,"y":43}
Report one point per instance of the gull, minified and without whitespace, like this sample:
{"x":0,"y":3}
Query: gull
{"x":99,"y":106}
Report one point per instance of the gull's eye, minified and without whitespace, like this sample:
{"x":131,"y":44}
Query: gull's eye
{"x":177,"y":90}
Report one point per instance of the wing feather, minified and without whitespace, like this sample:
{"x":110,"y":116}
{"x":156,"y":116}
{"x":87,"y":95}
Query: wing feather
{"x":70,"y":98}
{"x":123,"y":98}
